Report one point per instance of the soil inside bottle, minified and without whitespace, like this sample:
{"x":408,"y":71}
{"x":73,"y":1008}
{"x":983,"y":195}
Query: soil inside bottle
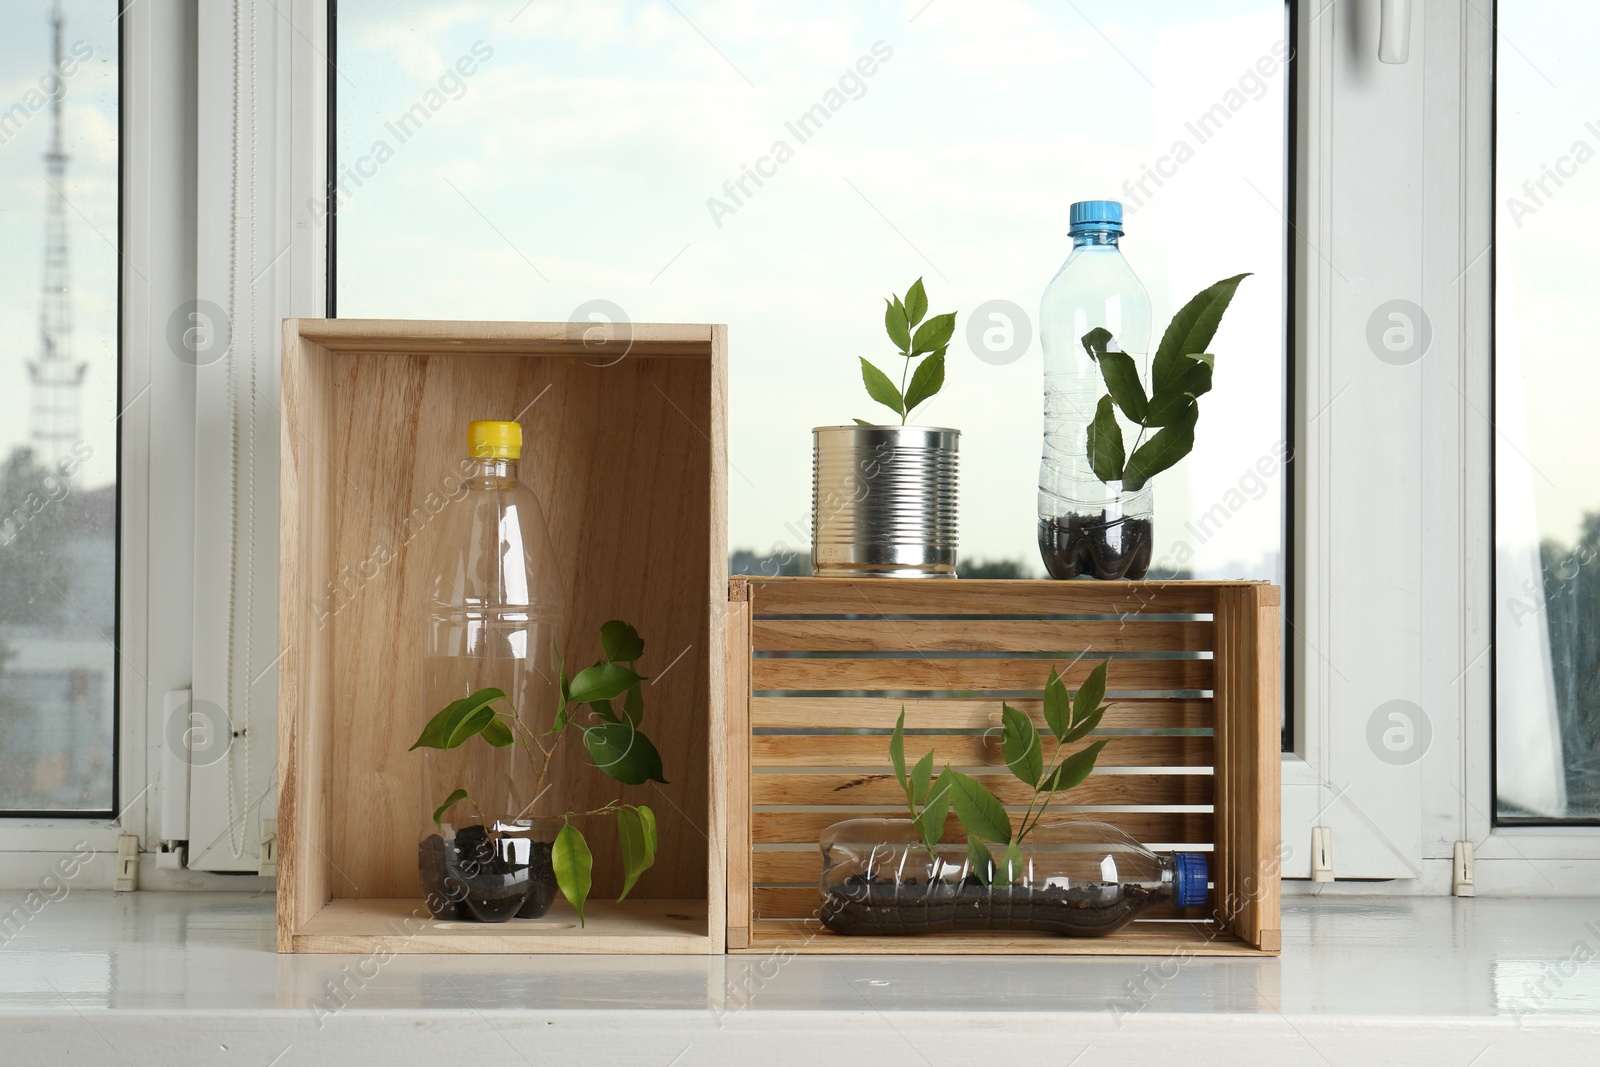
{"x":1081,"y":546}
{"x":891,"y":908}
{"x":468,"y":878}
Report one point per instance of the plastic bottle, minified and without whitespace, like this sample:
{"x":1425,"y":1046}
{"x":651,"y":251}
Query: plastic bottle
{"x":494,"y":610}
{"x":1069,"y":876}
{"x":1087,"y":527}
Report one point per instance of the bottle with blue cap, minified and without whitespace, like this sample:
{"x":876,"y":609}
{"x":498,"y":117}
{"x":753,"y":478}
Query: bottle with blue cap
{"x":1073,"y":876}
{"x":1090,"y":528}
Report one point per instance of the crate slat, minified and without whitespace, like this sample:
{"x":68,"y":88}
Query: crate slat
{"x":806,"y":827}
{"x":967,"y":675}
{"x":995,"y":635}
{"x":966,"y":596}
{"x":1178,"y":940}
{"x":816,"y":789}
{"x":812,"y":712}
{"x":872,"y":751}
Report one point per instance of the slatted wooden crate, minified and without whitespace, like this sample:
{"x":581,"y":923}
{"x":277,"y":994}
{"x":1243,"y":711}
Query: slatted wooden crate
{"x":819,"y":668}
{"x":625,"y":445}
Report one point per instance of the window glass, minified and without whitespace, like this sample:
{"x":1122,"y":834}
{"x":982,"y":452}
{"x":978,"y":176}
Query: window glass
{"x":1547,"y":483}
{"x":58,"y":404}
{"x":782,"y":168}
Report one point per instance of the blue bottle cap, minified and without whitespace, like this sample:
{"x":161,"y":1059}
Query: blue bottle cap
{"x":1088,"y":215}
{"x":1192,"y":872}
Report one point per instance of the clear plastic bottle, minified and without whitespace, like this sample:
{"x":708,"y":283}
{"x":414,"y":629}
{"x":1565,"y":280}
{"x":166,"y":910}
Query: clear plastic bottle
{"x":494,"y":609}
{"x":1071,"y":876}
{"x":1087,"y":527}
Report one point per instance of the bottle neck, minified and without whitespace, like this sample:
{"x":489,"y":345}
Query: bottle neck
{"x":498,"y":469}
{"x":1095,"y":237}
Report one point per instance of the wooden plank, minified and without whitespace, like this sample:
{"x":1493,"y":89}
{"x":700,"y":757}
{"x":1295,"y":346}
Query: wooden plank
{"x":959,"y":635}
{"x":403,"y":926}
{"x":810,"y":790}
{"x":805,"y":827}
{"x":1153,"y":938}
{"x":964,"y":675}
{"x":879,"y":713}
{"x":738,"y":753}
{"x":872,"y":750}
{"x":1246,"y":893}
{"x":447,"y":336}
{"x":728,"y":683}
{"x":966,"y":596}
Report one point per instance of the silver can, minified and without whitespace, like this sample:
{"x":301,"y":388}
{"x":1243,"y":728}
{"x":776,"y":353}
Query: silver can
{"x":883,"y":501}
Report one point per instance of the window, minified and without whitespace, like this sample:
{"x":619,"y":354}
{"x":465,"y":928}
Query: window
{"x":1547,"y":482}
{"x":59,"y":405}
{"x":782,"y":169}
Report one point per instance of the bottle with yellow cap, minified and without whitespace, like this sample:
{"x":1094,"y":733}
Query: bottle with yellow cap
{"x":494,"y":613}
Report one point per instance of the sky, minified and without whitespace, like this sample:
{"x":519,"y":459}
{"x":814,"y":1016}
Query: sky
{"x":576,"y":162}
{"x":90,"y":130}
{"x":1547,"y":276}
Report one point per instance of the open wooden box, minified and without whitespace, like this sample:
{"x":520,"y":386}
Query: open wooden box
{"x":625,"y":445}
{"x":819,"y":668}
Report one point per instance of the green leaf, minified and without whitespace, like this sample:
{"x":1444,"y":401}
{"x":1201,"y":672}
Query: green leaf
{"x":926,"y":380}
{"x":1096,"y":341}
{"x":573,"y":863}
{"x":921,"y":778}
{"x":1074,"y":769}
{"x":864,"y":422}
{"x":447,"y":723}
{"x":621,"y":752}
{"x":647,"y":819}
{"x":896,"y":323}
{"x":1105,"y":443}
{"x":602,"y":708}
{"x":1019,"y":744}
{"x":1087,"y":726}
{"x":1169,"y":406}
{"x":934,"y":334}
{"x":1122,"y":382}
{"x":916,"y":303}
{"x":1090,"y":693}
{"x":498,"y":733}
{"x":1057,"y":706}
{"x":1011,"y":866}
{"x":633,"y":706}
{"x":979,"y":861}
{"x":1191,"y":329}
{"x":1169,"y":445}
{"x":897,"y":750}
{"x":620,"y":642}
{"x":930,"y":824}
{"x":636,"y":851}
{"x":881,"y":389}
{"x":470,"y":725}
{"x":603,"y":681}
{"x":438,"y":813}
{"x":978,"y":809}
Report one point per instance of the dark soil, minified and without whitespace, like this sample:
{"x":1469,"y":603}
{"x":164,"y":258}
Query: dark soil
{"x":1077,"y":546}
{"x":466,"y":878}
{"x":888,"y":909}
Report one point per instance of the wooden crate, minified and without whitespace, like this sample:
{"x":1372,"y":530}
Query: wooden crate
{"x":819,"y":668}
{"x":625,"y":445}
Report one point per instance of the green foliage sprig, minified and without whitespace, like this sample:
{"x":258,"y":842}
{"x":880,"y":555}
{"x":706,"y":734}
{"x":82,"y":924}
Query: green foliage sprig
{"x":900,"y":317}
{"x":981,"y":814}
{"x":1179,"y":376}
{"x":614,"y":742}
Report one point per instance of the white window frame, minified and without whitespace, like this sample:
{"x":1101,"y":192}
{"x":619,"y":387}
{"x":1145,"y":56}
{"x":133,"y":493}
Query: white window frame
{"x":1394,"y":198}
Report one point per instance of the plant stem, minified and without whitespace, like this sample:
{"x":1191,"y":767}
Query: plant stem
{"x":904,"y":411}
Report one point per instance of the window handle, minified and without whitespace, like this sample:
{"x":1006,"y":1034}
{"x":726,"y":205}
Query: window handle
{"x":1394,"y":31}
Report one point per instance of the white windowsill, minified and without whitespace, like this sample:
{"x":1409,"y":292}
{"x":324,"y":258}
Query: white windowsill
{"x":176,"y":978}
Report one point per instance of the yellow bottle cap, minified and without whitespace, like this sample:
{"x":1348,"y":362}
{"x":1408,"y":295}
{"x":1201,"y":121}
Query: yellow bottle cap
{"x":494,"y":440}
